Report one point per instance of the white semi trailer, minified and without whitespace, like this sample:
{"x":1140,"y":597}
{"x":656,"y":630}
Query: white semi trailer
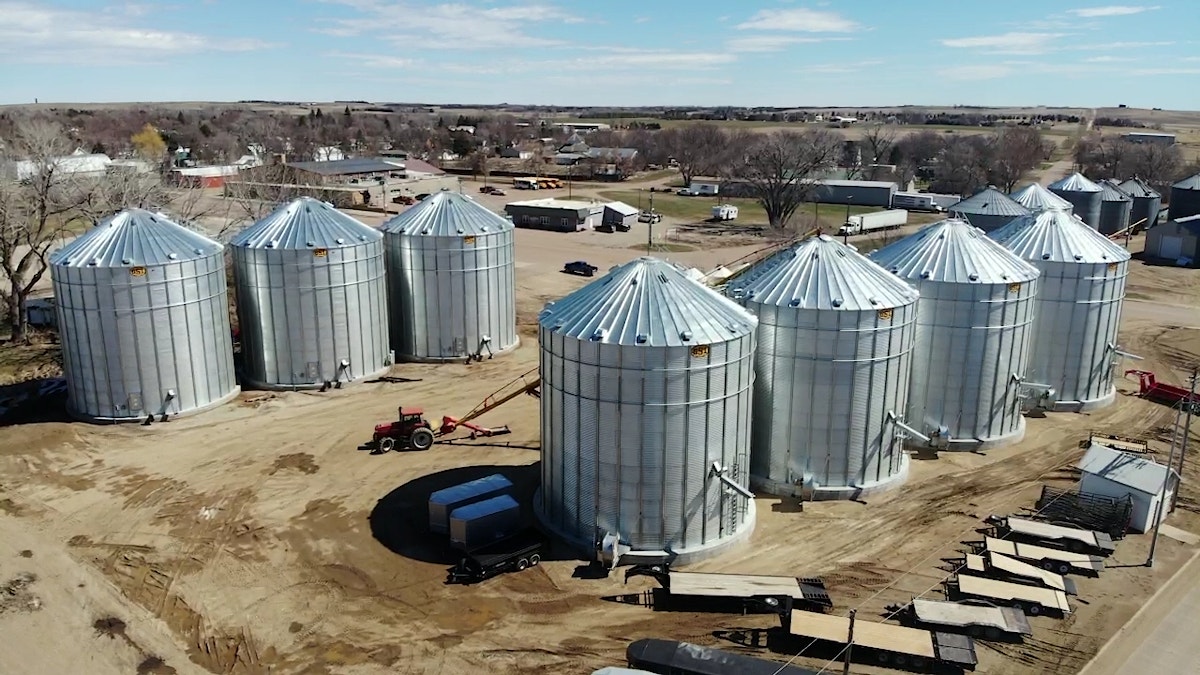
{"x":870,"y":222}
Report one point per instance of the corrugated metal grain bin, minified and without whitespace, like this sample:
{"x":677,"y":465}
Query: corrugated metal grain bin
{"x":1036,"y":199}
{"x":647,"y":385}
{"x":1115,"y":208}
{"x":1185,"y":198}
{"x":1080,"y":293}
{"x":1083,"y":194}
{"x":835,"y":335}
{"x":143,"y":313}
{"x":451,"y":280}
{"x":988,"y":209}
{"x":443,"y":502}
{"x":482,"y":523}
{"x":974,"y":333}
{"x":311,"y":297}
{"x":1147,"y":202}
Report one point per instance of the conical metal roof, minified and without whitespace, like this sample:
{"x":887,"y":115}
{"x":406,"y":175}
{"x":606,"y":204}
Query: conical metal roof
{"x":955,"y":252}
{"x":1136,"y":187}
{"x":989,"y":202}
{"x":1189,"y":183}
{"x":447,"y":214}
{"x":648,"y":302}
{"x":821,"y":273}
{"x":1037,"y":199}
{"x":1109,"y":192}
{"x":305,"y":223}
{"x":135,"y":237}
{"x":1058,"y":236}
{"x":1076,"y":182}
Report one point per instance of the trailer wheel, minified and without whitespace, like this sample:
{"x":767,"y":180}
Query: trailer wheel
{"x":1048,"y":565}
{"x":534,"y":560}
{"x":1064,"y":568}
{"x":387,"y":444}
{"x":1034,"y":610}
{"x":881,"y":657}
{"x":900,"y":660}
{"x":918,"y":662}
{"x":522,"y":564}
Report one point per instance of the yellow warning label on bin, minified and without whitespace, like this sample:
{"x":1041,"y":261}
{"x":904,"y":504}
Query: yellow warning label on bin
{"x":700,"y":351}
{"x":885,"y":314}
{"x":320,"y":253}
{"x":1014,"y":288}
{"x":137,"y":271}
{"x":469,"y":239}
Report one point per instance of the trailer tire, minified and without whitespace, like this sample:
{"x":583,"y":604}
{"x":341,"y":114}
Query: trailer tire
{"x":534,"y":560}
{"x":522,"y":565}
{"x":881,"y":657}
{"x":1048,"y":565}
{"x":1064,"y":568}
{"x":387,"y":444}
{"x":918,"y":662}
{"x":900,"y":660}
{"x":1035,"y":610}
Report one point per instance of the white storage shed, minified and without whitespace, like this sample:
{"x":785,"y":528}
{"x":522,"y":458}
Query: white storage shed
{"x":1114,"y":473}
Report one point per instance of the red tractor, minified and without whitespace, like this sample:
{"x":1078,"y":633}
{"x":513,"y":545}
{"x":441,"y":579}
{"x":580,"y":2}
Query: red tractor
{"x":410,"y":432}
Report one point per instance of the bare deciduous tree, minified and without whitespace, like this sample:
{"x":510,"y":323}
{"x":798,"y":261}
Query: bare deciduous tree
{"x":695,"y":147}
{"x":878,"y":139}
{"x":1014,"y":151}
{"x":780,"y":167}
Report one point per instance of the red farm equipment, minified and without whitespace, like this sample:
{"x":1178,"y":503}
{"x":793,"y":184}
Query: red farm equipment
{"x":1150,"y":388}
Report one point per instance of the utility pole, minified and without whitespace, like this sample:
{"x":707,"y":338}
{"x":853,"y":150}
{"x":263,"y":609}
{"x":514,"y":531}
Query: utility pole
{"x":846,"y":236}
{"x":1187,"y":430}
{"x":849,"y":644}
{"x":1158,"y":511}
{"x":650,"y":226}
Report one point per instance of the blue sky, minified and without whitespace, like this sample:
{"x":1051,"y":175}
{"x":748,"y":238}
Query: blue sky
{"x":617,"y":52}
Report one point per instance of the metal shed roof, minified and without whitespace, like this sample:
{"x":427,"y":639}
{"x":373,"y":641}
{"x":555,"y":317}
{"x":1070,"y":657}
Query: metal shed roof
{"x":622,"y":208}
{"x":648,"y":302}
{"x":1076,"y":182}
{"x":1124,"y":468}
{"x":1190,"y":223}
{"x":1058,"y":236}
{"x":1109,"y":192}
{"x":305,"y":223}
{"x":1037,"y":198}
{"x":447,"y":214}
{"x":347,"y":167}
{"x":1189,"y":183}
{"x":953,"y":251}
{"x":989,"y":202}
{"x":821,"y":273}
{"x":135,"y":237}
{"x":1136,"y":187}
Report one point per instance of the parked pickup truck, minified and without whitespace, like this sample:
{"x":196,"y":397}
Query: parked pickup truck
{"x":580,"y":267}
{"x":516,"y":553}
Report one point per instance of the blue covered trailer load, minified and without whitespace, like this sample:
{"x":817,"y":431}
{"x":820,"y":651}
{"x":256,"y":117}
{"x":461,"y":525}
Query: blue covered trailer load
{"x":443,"y":502}
{"x":482,"y":523}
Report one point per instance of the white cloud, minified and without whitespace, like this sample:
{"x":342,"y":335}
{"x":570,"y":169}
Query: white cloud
{"x":1111,"y":10}
{"x":457,"y":27}
{"x":642,"y":19}
{"x":839,"y":68}
{"x":376,"y":60}
{"x":1107,"y":59}
{"x":772,"y":43}
{"x":799,"y":20}
{"x":618,"y":60}
{"x":1007,"y":43}
{"x":1118,"y":45}
{"x":978,"y":72}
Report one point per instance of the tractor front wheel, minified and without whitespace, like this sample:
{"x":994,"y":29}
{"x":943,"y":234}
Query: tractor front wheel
{"x":387,"y":444}
{"x":421,"y":439}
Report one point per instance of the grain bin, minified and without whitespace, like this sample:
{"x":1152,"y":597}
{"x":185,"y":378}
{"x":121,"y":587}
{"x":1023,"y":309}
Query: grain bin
{"x":1037,"y":199}
{"x":988,"y":209}
{"x":835,"y":336}
{"x":974,"y":331}
{"x":1078,"y":309}
{"x":1083,"y":194}
{"x":451,"y":280}
{"x":143,"y":314}
{"x":1147,"y":202}
{"x":311,"y":298}
{"x":1115,"y":207}
{"x":647,"y":386}
{"x":1185,"y":198}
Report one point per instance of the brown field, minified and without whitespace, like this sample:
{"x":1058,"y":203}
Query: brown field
{"x":257,"y":538}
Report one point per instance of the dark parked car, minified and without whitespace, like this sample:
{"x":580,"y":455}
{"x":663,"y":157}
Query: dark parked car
{"x":421,"y":198}
{"x":580,"y":267}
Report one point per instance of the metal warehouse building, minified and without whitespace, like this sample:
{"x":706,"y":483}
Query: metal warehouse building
{"x":559,"y":215}
{"x":1175,"y":240}
{"x":855,"y":192}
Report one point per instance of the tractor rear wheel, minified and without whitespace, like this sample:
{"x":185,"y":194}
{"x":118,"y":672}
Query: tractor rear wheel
{"x":421,"y":439}
{"x":387,"y":444}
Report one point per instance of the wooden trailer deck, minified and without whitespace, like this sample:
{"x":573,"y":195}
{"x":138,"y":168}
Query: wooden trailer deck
{"x":735,"y":585}
{"x":1006,"y":591}
{"x":1070,"y":536}
{"x":990,"y":562}
{"x":1082,"y":561}
{"x":885,"y":636}
{"x":1005,"y":619}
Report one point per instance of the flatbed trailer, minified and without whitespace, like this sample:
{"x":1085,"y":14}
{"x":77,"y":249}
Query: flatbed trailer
{"x":683,"y":658}
{"x":1055,"y":536}
{"x":884,"y":644}
{"x":732,"y":593}
{"x":516,"y":553}
{"x":1033,"y":600}
{"x":1000,"y":566}
{"x":980,"y":621}
{"x":1063,"y":562}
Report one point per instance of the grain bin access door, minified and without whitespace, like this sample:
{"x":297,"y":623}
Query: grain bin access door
{"x":1170,"y":248}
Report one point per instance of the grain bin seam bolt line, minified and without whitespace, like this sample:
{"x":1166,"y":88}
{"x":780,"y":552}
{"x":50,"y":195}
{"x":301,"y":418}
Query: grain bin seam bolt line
{"x":922,"y":562}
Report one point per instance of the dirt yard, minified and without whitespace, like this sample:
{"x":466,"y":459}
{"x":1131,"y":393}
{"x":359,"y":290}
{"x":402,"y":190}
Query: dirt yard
{"x":258,"y":538}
